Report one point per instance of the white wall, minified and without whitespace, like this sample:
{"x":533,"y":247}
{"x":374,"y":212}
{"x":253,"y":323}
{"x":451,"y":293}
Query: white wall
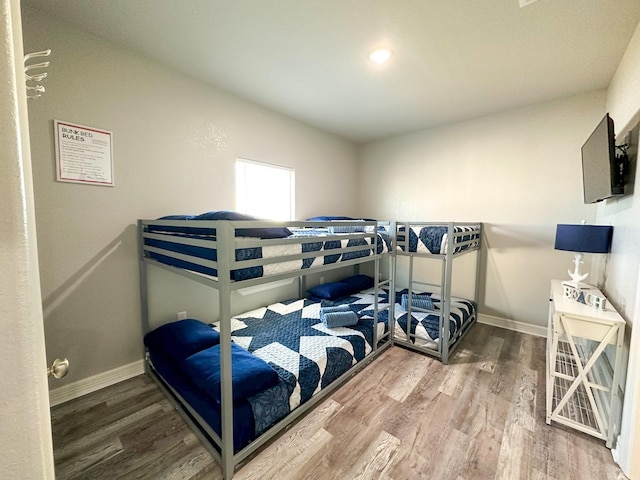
{"x":623,"y":103}
{"x":519,"y":172}
{"x":175,"y":142}
{"x":26,"y":450}
{"x":621,"y":287}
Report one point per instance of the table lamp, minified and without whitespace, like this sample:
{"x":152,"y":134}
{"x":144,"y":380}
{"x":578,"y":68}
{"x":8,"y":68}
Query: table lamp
{"x":582,"y":239}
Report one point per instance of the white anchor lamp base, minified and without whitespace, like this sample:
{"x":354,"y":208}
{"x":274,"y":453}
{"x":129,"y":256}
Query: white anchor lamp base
{"x":582,"y":239}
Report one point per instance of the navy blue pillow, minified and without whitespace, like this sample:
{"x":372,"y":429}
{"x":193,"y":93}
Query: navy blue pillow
{"x":324,"y":218}
{"x":271,"y":232}
{"x":250,"y":375}
{"x":177,"y":217}
{"x":195,"y":231}
{"x":330,"y":291}
{"x":182,"y":339}
{"x":358,"y":283}
{"x":329,"y":218}
{"x":224,"y":215}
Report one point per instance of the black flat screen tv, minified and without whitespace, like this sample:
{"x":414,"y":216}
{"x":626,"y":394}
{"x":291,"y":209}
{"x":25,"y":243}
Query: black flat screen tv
{"x":602,"y":170}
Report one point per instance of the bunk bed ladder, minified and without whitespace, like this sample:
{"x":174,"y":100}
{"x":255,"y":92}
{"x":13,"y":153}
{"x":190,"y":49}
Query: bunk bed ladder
{"x":226,"y":236}
{"x":142,"y":269}
{"x":410,"y":295}
{"x":302,"y":286}
{"x":376,"y":286}
{"x":477,"y":292}
{"x":392,"y":284}
{"x":445,"y":297}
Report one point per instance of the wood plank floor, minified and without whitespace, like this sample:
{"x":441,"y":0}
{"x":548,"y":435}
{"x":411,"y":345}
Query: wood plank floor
{"x":405,"y":416}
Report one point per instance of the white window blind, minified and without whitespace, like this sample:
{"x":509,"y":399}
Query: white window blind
{"x":265,"y":191}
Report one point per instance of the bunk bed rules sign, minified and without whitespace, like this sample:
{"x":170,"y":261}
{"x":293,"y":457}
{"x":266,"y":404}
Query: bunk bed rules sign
{"x":83,"y":154}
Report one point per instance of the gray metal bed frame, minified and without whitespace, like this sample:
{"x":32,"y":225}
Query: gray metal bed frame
{"x":221,"y":446}
{"x":446,"y":345}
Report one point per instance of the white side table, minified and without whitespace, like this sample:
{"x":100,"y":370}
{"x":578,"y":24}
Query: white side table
{"x":584,"y":347}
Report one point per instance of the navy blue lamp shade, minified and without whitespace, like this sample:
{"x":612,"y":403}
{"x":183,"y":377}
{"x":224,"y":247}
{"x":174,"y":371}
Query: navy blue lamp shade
{"x":584,"y":238}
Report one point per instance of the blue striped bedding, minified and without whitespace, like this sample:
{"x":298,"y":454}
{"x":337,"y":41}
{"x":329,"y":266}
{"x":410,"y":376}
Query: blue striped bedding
{"x":316,"y":243}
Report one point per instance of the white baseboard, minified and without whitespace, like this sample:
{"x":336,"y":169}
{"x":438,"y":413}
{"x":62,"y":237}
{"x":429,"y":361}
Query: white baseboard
{"x":615,"y":452}
{"x":91,"y":384}
{"x":120,"y":374}
{"x":537,"y":330}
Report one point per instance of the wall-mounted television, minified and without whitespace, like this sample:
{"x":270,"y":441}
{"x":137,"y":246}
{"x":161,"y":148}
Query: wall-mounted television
{"x":605,"y":166}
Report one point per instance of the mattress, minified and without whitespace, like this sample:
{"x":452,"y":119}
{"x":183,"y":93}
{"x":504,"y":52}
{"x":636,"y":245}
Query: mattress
{"x":307,"y":355}
{"x":433,"y":239}
{"x":424,"y":326}
{"x":290,"y":337}
{"x":317,"y":243}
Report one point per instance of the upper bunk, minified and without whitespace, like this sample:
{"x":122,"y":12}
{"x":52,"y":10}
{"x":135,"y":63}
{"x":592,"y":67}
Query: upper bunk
{"x":437,"y":239}
{"x":243,"y":253}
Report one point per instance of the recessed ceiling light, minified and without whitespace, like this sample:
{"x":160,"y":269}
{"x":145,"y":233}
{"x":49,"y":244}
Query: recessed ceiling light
{"x":380,"y":55}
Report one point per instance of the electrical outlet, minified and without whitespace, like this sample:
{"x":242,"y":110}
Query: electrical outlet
{"x":182,"y":315}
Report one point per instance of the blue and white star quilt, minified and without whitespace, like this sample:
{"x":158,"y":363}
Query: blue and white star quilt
{"x":307,"y":355}
{"x":434,"y":238}
{"x":424,"y":326}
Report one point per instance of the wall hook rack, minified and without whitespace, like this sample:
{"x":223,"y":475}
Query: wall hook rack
{"x":35,"y":91}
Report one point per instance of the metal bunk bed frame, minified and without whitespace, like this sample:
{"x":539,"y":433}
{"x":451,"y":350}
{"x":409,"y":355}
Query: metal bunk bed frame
{"x":221,"y":446}
{"x":445,"y":349}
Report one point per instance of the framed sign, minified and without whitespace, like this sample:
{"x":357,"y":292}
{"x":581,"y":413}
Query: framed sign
{"x":83,"y":154}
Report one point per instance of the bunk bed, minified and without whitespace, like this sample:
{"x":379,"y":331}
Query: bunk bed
{"x":428,"y":318}
{"x":239,"y":382}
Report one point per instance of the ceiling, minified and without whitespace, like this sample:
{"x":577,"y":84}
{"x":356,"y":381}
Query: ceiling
{"x":452,"y":59}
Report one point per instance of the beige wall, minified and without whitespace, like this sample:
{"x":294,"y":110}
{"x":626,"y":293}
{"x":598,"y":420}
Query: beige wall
{"x":175,"y":141}
{"x":519,"y":172}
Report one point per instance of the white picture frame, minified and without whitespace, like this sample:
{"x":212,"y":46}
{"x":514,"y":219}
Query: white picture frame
{"x":83,"y":154}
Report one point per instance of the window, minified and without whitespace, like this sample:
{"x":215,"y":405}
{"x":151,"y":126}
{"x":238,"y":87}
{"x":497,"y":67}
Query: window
{"x":265,"y":191}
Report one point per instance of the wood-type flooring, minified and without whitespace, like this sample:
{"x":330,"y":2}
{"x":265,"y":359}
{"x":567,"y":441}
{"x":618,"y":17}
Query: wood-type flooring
{"x":405,"y":416}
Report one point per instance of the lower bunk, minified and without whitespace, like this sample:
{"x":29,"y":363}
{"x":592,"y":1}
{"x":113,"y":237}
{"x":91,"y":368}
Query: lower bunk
{"x":285,"y":358}
{"x":420,"y":324}
{"x":419,"y":321}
